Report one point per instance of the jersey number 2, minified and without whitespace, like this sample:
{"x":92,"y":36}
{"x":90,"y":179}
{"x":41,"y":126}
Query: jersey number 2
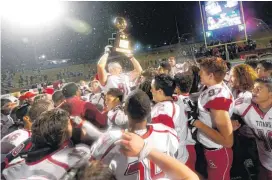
{"x":139,"y":167}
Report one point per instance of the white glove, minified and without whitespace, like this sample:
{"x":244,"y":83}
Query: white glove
{"x":77,"y":120}
{"x":108,"y":49}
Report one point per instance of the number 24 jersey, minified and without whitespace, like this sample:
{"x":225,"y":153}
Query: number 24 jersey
{"x":163,"y":138}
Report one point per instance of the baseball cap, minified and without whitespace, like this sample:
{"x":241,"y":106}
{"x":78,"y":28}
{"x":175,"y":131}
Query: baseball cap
{"x":48,"y":91}
{"x":69,"y":90}
{"x":27,"y":95}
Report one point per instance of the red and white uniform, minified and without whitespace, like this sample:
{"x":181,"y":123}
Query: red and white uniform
{"x":182,"y":128}
{"x":166,"y":112}
{"x":97,"y":98}
{"x":244,"y":130}
{"x":186,"y":133}
{"x":239,"y":94}
{"x":122,"y":82}
{"x":117,"y":118}
{"x":261,"y":124}
{"x":219,"y":159}
{"x":53,"y":166}
{"x":217,"y":97}
{"x":183,"y":102}
{"x":163,"y":138}
{"x":179,"y":68}
{"x":13,"y":139}
{"x":6,"y":122}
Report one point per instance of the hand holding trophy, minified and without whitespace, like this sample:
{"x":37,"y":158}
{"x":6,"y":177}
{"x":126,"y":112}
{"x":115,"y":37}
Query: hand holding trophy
{"x":121,"y":42}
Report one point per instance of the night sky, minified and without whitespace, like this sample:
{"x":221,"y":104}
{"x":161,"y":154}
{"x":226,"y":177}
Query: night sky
{"x":150,"y":24}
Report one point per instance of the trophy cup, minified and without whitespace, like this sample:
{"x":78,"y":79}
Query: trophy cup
{"x":120,"y":40}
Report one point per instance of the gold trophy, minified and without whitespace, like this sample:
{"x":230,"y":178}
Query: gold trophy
{"x":121,"y":43}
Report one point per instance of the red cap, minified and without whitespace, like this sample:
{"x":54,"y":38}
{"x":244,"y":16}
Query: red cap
{"x":27,"y":95}
{"x":48,"y":91}
{"x":22,"y":97}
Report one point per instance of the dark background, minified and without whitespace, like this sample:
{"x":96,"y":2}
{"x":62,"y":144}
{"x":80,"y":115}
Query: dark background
{"x":150,"y":24}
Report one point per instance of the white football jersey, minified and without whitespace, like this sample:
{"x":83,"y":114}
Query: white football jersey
{"x":185,"y":99}
{"x":166,"y":112}
{"x":117,"y":118}
{"x":239,"y":94}
{"x":97,"y":98}
{"x":13,"y":139}
{"x":182,"y":128}
{"x":53,"y":166}
{"x":261,"y":124}
{"x":217,"y":97}
{"x":179,"y":68}
{"x":163,"y":138}
{"x":244,"y":130}
{"x":121,"y":82}
{"x":6,"y":122}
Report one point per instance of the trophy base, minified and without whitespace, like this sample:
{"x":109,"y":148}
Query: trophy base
{"x":122,"y":50}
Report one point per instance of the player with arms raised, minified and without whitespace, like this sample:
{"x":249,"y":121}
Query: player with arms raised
{"x":115,"y":78}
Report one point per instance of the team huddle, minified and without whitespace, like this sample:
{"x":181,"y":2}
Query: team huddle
{"x":144,"y":124}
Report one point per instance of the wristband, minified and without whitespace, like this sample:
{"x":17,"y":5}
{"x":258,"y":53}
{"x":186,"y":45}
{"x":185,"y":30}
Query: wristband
{"x":145,"y":151}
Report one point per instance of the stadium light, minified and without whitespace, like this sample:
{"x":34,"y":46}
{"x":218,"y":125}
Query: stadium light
{"x":42,"y":56}
{"x":137,"y":47}
{"x":31,"y":13}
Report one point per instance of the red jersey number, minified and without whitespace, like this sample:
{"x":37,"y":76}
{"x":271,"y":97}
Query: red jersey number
{"x":139,"y":167}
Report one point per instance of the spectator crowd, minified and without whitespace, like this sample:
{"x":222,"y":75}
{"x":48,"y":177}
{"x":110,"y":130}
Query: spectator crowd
{"x":194,"y":120}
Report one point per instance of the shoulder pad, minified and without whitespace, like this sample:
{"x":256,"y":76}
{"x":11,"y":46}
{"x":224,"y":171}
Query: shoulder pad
{"x":213,"y":92}
{"x":242,"y":100}
{"x":105,"y":143}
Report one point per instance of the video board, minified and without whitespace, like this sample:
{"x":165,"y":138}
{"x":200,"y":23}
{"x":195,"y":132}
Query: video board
{"x":223,"y":22}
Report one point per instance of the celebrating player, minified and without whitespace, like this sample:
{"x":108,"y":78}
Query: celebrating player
{"x":163,"y":138}
{"x":165,"y":111}
{"x":214,"y":125}
{"x":256,"y":112}
{"x":116,"y":114}
{"x":115,"y":78}
{"x":52,"y":154}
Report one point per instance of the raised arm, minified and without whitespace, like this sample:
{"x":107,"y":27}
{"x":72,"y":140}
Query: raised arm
{"x":101,"y":66}
{"x":137,"y":66}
